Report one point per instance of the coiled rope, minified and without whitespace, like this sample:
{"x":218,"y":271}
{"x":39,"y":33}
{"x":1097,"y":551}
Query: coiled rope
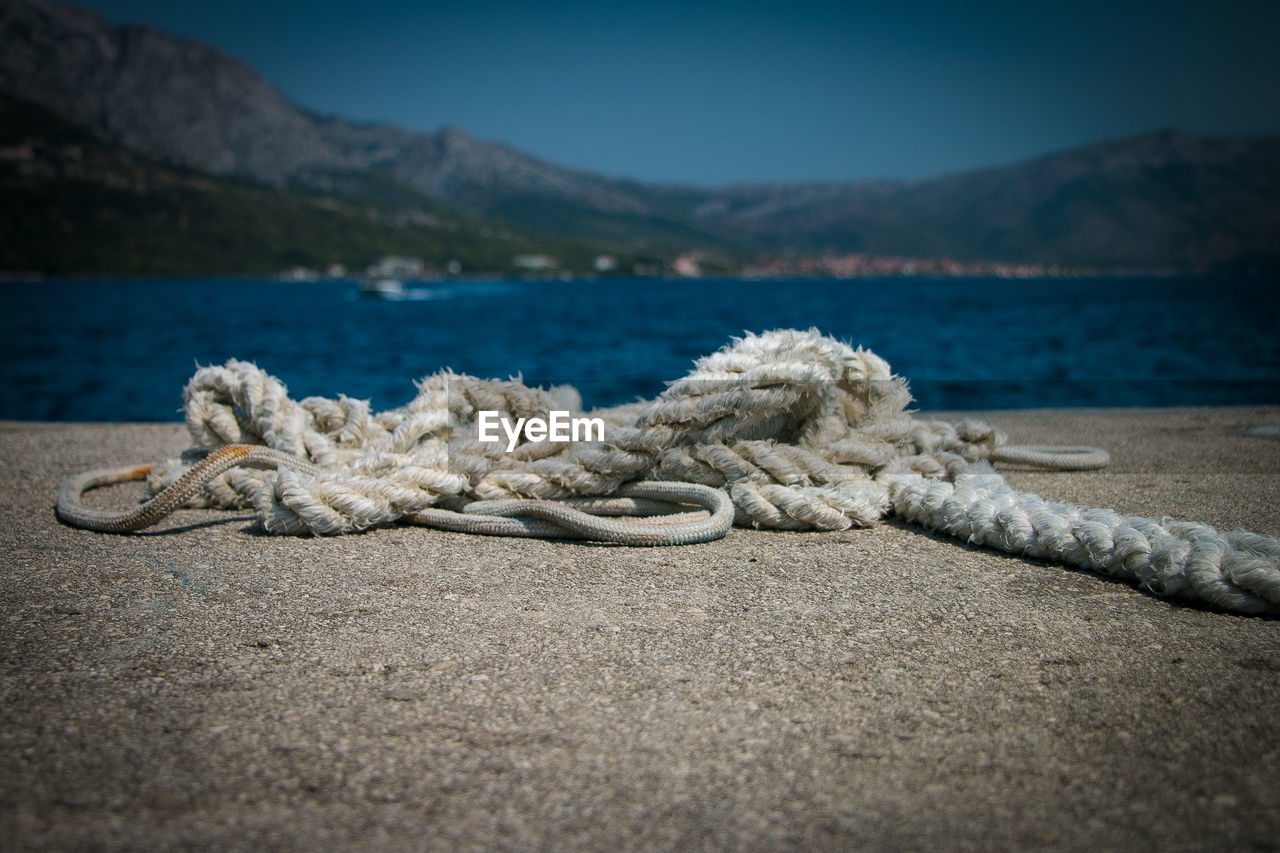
{"x":784,"y":430}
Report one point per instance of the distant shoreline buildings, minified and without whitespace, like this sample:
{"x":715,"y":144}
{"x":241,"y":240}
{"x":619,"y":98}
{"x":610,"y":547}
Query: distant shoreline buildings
{"x":876,"y":266}
{"x":694,"y":265}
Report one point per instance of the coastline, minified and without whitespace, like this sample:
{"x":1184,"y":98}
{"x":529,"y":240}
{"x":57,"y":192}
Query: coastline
{"x":204,"y":685}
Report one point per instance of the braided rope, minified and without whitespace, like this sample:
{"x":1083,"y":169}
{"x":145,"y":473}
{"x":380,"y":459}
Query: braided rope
{"x":800,"y":431}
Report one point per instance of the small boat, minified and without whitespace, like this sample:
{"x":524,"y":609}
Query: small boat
{"x":382,"y":288}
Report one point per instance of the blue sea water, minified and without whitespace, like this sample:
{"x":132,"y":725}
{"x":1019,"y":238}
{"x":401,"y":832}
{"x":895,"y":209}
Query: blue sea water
{"x":122,"y":350}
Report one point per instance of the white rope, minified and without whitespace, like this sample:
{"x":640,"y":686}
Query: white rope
{"x":1059,"y":458}
{"x":1234,"y":571}
{"x":800,"y":430}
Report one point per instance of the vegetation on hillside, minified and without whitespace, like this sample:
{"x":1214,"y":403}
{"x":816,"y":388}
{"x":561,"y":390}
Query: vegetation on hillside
{"x":72,"y":204}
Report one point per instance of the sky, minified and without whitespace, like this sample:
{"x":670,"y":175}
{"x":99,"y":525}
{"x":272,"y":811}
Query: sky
{"x":716,"y":93}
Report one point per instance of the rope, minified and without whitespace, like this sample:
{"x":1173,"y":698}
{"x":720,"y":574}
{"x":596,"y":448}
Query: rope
{"x":71,"y":511}
{"x":1177,"y":559}
{"x":521,"y":518}
{"x":1053,"y":457}
{"x":786,"y":430}
{"x":493,"y":518}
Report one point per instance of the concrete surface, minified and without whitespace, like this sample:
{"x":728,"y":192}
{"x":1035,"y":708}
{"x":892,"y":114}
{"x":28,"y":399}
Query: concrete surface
{"x":203,"y":686}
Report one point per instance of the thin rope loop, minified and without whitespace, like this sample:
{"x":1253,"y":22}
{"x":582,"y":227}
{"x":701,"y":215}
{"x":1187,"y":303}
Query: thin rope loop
{"x":553,"y":519}
{"x":71,"y":510}
{"x":1053,"y":457}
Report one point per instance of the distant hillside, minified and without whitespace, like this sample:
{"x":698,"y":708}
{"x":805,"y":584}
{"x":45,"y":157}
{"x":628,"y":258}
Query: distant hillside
{"x":1165,"y":200}
{"x":189,"y":103}
{"x":71,"y":203}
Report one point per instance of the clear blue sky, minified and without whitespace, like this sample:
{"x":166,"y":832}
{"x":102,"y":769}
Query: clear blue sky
{"x":714,"y":93}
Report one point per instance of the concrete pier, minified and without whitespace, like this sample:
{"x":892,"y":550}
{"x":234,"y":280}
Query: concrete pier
{"x":204,"y":686}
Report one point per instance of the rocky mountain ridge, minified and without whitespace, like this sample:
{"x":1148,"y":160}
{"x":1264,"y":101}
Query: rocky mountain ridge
{"x":1165,"y":199}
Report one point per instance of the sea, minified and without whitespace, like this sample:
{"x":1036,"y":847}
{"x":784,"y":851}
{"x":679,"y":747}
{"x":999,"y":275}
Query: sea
{"x":123,"y":349}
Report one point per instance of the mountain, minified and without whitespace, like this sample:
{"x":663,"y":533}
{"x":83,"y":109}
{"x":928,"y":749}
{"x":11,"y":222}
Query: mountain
{"x":72,"y":203}
{"x":1164,"y":199}
{"x":189,"y":103}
